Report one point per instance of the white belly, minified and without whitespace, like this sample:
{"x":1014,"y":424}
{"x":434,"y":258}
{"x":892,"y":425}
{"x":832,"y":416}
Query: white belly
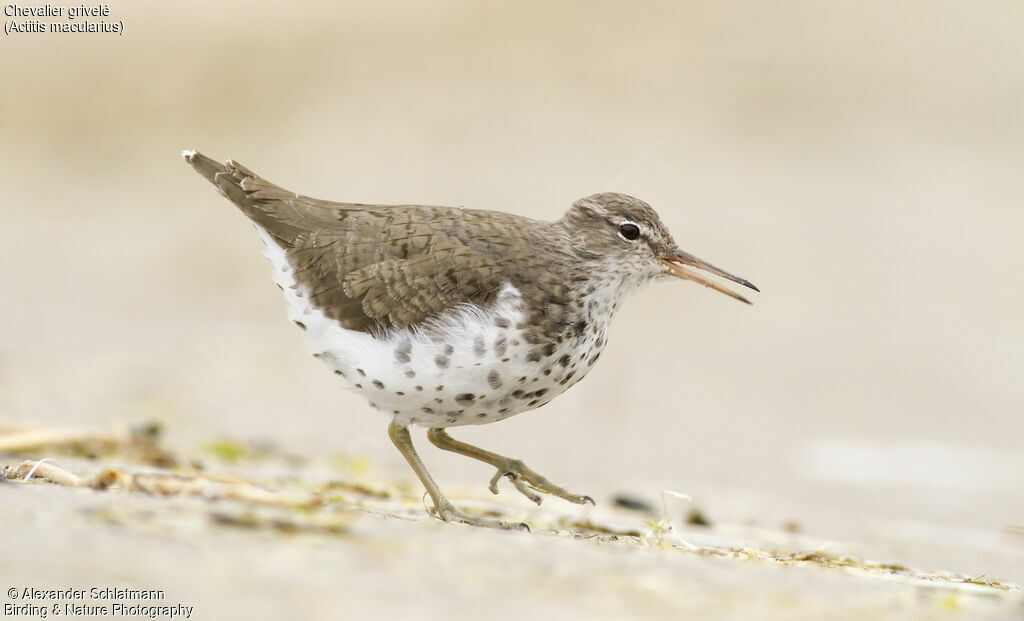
{"x":471,"y":367}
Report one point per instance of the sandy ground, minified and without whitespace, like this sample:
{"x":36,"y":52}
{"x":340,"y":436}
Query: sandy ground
{"x":860,"y":162}
{"x":248,"y":532}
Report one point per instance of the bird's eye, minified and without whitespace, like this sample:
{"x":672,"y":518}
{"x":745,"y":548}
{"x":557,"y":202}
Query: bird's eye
{"x":629,"y":231}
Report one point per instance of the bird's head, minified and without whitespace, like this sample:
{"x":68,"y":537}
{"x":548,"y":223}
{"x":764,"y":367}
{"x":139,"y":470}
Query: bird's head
{"x":625,"y":240}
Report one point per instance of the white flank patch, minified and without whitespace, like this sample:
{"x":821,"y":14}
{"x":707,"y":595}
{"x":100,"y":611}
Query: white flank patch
{"x":468,"y":367}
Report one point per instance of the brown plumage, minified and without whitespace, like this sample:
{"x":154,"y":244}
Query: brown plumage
{"x":373,"y":267}
{"x":446,"y":316}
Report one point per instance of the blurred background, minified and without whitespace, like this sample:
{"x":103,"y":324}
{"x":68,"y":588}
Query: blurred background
{"x":860,"y":161}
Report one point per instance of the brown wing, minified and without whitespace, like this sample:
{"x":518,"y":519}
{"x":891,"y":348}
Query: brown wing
{"x":374,"y":267}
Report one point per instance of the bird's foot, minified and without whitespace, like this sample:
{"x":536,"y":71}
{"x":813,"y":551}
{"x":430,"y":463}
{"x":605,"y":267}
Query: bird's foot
{"x":527,"y":481}
{"x":448,"y":513}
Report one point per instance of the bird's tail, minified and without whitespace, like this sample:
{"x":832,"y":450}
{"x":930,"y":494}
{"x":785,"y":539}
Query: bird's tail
{"x":258,"y":199}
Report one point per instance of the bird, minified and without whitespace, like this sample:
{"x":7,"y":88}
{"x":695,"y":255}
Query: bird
{"x":445,"y":316}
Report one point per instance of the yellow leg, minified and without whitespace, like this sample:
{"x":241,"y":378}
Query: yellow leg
{"x":521,"y":476}
{"x":444,"y":509}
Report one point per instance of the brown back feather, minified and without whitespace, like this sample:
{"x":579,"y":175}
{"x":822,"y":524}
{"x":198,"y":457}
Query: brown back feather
{"x":375,"y":267}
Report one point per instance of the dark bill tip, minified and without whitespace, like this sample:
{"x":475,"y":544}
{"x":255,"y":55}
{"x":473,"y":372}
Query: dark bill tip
{"x":683,"y":265}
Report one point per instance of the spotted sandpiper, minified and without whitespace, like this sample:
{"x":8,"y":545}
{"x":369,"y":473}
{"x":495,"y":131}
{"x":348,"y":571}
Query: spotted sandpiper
{"x":442,"y":316}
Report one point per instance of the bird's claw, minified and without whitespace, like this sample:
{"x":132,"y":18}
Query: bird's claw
{"x":517,"y":481}
{"x":526,"y":481}
{"x":451,"y":515}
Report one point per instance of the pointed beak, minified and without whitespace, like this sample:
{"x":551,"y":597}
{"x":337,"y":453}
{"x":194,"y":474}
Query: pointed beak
{"x":681,"y":265}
